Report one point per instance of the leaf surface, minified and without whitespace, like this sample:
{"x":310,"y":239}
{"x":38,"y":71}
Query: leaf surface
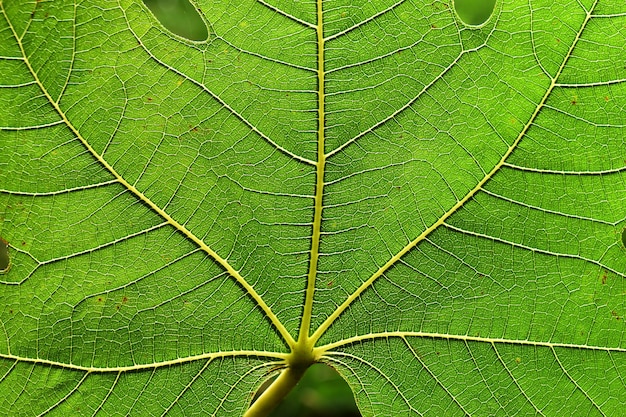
{"x":435,"y":210}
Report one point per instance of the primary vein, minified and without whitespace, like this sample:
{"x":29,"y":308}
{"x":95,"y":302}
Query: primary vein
{"x":460,"y":203}
{"x":223,"y":262}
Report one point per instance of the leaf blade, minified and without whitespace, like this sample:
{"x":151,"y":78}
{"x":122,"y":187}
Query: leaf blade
{"x":206,"y":174}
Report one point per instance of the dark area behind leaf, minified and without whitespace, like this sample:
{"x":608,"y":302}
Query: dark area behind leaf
{"x":180,"y":17}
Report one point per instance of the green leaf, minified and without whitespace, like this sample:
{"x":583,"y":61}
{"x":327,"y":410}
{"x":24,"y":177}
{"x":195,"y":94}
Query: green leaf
{"x":433,"y":209}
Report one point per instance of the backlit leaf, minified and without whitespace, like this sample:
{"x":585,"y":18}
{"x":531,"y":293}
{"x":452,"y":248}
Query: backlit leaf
{"x":435,"y":209}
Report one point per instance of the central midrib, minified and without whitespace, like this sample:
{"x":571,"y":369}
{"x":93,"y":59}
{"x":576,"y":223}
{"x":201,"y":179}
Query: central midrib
{"x":303,"y":336}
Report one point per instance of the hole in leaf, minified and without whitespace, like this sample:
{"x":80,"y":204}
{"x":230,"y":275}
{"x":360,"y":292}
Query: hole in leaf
{"x":180,"y":17}
{"x":624,"y":237}
{"x":321,"y":392}
{"x":5,"y":261}
{"x":474,"y":12}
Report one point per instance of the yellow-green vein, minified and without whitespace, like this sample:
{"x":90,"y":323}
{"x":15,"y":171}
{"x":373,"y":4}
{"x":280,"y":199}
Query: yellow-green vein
{"x":329,"y":348}
{"x":181,"y":228}
{"x":280,"y":357}
{"x":366,"y":284}
{"x":303,"y":336}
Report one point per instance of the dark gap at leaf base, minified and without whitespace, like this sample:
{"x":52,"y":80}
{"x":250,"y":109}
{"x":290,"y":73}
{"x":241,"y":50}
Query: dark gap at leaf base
{"x":321,"y":392}
{"x":180,"y":17}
